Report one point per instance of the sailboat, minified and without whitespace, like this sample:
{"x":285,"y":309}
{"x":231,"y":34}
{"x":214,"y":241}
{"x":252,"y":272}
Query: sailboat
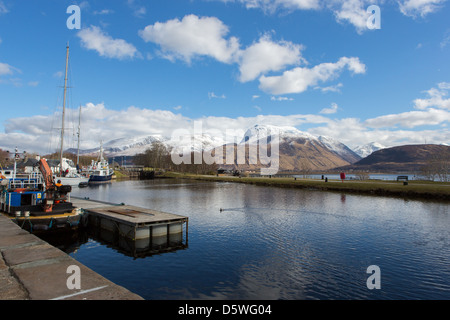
{"x":99,"y":171}
{"x":67,"y":173}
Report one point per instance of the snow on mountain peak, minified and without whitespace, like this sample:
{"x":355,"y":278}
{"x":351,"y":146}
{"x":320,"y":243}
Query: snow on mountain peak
{"x":258,"y":132}
{"x":368,"y":149}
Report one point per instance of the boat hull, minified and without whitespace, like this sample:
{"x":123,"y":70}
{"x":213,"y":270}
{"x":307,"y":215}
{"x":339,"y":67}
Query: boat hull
{"x":74,"y":182}
{"x":96,"y":178}
{"x":32,"y":218}
{"x":50,"y":223}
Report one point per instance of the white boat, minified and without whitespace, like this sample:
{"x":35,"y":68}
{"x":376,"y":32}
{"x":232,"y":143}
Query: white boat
{"x":99,"y":171}
{"x":69,"y":174}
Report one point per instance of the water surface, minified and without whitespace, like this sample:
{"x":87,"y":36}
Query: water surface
{"x":279,"y":243}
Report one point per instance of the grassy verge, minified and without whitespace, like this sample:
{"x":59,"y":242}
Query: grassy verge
{"x":414,"y":189}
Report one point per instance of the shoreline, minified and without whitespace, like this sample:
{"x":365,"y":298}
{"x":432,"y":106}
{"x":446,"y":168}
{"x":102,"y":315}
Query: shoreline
{"x":416,"y":189}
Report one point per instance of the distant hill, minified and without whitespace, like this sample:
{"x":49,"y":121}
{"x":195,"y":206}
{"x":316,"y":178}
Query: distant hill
{"x":402,"y":158}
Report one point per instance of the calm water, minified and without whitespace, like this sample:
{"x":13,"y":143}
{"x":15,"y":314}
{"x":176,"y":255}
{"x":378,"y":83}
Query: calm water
{"x":276,"y":243}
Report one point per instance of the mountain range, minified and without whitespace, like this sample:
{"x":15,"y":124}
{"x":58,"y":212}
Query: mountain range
{"x":298,"y":150}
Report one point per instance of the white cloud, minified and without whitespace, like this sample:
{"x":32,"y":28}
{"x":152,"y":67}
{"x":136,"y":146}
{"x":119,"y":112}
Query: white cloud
{"x":93,"y":38}
{"x":272,"y":5}
{"x":192,"y":37}
{"x":334,"y":88}
{"x":299,"y":79}
{"x":3,"y":8}
{"x":353,"y":133}
{"x":281,"y":99}
{"x":138,"y":11}
{"x":6,"y":75}
{"x":103,"y":12}
{"x":6,"y":69}
{"x":446,"y":40}
{"x":212,"y":95}
{"x":410,"y":119}
{"x":352,"y":11}
{"x":414,"y":8}
{"x":58,"y":74}
{"x":101,"y":123}
{"x":332,"y":109}
{"x":436,"y":98}
{"x":266,"y":55}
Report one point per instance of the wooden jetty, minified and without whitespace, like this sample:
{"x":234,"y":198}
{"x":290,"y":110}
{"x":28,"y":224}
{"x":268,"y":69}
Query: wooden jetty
{"x":149,"y":230}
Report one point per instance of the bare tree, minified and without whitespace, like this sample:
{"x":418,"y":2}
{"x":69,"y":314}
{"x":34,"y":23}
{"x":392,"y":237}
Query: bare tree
{"x":437,"y":167}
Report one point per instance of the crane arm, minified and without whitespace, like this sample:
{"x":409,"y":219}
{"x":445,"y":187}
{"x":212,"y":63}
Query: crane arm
{"x":47,"y":174}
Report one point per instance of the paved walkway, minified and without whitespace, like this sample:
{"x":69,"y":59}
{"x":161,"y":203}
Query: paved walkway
{"x":32,"y":269}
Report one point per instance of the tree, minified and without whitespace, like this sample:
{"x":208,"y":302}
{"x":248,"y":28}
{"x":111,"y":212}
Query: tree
{"x":438,"y":167}
{"x":5,"y":158}
{"x":156,"y":156}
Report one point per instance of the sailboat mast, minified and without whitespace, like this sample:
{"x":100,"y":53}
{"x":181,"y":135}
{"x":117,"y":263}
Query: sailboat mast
{"x":79,"y":129}
{"x":63,"y":112}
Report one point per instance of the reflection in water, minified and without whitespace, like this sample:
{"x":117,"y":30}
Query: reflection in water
{"x":140,"y":248}
{"x":70,"y":242}
{"x":280,"y":243}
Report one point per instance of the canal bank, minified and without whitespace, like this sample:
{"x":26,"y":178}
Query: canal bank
{"x":423,"y":190}
{"x":32,"y":269}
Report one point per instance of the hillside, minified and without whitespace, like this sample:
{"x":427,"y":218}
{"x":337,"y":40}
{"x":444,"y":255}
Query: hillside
{"x":402,"y":158}
{"x":298,"y":151}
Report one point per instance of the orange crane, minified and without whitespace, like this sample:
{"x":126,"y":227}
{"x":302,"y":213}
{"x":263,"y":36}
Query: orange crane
{"x":53,"y":193}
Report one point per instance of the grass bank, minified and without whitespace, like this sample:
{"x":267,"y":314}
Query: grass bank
{"x":424,"y":190}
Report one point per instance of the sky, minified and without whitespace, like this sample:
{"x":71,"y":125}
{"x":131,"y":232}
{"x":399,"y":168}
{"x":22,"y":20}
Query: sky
{"x":139,"y":68}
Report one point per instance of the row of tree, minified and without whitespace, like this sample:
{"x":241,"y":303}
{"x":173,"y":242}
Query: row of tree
{"x":159,"y":156}
{"x":437,"y":167}
{"x":7,"y":158}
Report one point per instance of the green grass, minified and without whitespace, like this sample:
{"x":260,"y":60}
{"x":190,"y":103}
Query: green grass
{"x":415,"y":189}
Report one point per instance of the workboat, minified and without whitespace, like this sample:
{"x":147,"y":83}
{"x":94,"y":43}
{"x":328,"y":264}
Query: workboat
{"x":38,"y":203}
{"x":99,"y":171}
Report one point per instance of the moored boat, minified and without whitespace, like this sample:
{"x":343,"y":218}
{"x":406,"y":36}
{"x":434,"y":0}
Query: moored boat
{"x":99,"y":171}
{"x":69,"y":174}
{"x":36,"y":203}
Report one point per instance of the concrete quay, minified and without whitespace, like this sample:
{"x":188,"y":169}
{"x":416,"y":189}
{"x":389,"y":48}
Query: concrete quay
{"x":32,"y":269}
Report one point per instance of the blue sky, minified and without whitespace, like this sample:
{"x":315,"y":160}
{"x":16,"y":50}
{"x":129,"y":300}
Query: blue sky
{"x":149,"y":67}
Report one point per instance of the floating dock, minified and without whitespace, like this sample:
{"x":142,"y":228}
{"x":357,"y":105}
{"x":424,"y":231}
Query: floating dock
{"x":136,"y":231}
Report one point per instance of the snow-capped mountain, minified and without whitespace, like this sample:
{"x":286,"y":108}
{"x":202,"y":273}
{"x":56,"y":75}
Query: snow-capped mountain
{"x":123,"y":146}
{"x":339,"y":148}
{"x":298,"y":149}
{"x":195,"y":143}
{"x":258,"y":132}
{"x":368,"y":149}
{"x":290,"y":134}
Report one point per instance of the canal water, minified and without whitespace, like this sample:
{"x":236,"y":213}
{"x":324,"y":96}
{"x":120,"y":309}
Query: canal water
{"x":278,"y":243}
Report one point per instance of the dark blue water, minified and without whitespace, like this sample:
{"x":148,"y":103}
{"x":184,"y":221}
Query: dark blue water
{"x":277,"y":243}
